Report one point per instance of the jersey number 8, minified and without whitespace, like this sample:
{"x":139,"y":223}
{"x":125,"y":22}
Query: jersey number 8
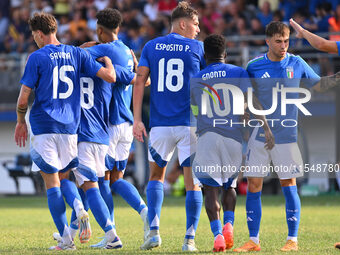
{"x":170,"y":73}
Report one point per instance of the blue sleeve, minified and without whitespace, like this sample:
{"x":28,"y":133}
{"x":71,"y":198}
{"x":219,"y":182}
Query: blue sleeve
{"x":338,"y":45}
{"x":311,"y":78}
{"x":144,"y":57}
{"x":201,"y":54}
{"x":124,"y":75}
{"x":31,"y":76}
{"x":245,"y":81}
{"x":97,"y":51}
{"x":89,"y":66}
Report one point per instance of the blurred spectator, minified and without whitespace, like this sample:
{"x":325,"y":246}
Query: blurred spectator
{"x":334,"y":25}
{"x":151,"y":10}
{"x":101,"y":4}
{"x":61,"y":7}
{"x":166,"y":6}
{"x":323,"y":14}
{"x":274,"y":4}
{"x":92,"y":21}
{"x":277,"y":16}
{"x":211,"y":19}
{"x":242,"y":29}
{"x":265,"y":15}
{"x":230,"y":19}
{"x":77,"y":22}
{"x":257,"y":29}
{"x":81,"y":36}
{"x":63,"y":25}
{"x":4,"y":23}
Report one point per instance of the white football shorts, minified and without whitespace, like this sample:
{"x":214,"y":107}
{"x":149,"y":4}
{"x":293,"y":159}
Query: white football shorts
{"x":286,"y":158}
{"x":91,"y":162}
{"x":121,"y":138}
{"x":164,"y":140}
{"x":52,"y":153}
{"x":217,"y":161}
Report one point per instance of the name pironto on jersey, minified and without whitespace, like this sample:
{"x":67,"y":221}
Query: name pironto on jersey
{"x":172,"y":60}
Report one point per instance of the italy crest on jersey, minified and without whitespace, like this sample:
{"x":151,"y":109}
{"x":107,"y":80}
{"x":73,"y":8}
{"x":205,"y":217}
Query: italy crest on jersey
{"x":290,"y":72}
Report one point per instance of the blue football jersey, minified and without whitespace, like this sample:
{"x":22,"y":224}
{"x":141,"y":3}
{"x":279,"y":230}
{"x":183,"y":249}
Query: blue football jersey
{"x":219,"y":117}
{"x":288,"y":72}
{"x":119,"y":54}
{"x":54,"y":73}
{"x":96,"y":95}
{"x":172,"y":60}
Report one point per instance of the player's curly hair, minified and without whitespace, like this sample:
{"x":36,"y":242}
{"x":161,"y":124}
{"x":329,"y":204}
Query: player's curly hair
{"x":44,"y":22}
{"x":215,"y":45}
{"x":276,"y":27}
{"x":109,"y":18}
{"x":183,"y":10}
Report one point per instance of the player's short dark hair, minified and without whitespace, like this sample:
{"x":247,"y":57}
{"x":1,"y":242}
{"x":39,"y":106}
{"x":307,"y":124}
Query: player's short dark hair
{"x":215,"y":45}
{"x":183,"y":10}
{"x":109,"y":18}
{"x":276,"y":27}
{"x":44,"y":22}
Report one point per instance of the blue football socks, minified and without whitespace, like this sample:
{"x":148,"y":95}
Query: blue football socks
{"x":228,"y":216}
{"x":216,"y":227}
{"x":254,"y":212}
{"x":193,"y":206}
{"x":105,"y":191}
{"x":293,"y":209}
{"x":130,"y":194}
{"x":155,"y":195}
{"x":99,"y":209}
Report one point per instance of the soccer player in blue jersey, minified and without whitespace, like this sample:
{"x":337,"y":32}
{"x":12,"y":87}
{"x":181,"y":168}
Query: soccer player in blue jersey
{"x":170,"y":61}
{"x":219,"y":145}
{"x":120,"y":117}
{"x":53,"y":72}
{"x":322,"y":44}
{"x":276,"y":66}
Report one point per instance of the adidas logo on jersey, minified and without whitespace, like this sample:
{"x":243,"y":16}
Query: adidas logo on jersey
{"x":265,"y":75}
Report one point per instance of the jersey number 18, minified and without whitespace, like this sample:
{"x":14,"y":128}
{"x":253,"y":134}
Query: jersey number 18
{"x":170,"y":73}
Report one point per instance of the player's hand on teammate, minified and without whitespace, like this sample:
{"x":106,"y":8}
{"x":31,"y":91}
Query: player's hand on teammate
{"x":270,"y":140}
{"x":104,"y":59}
{"x":139,"y":130}
{"x":88,"y":44}
{"x":21,"y":134}
{"x":298,"y":29}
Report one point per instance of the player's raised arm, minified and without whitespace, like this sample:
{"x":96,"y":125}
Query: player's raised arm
{"x":316,"y":41}
{"x":107,"y":73}
{"x":138,"y":93}
{"x":327,"y":82}
{"x":21,"y":132}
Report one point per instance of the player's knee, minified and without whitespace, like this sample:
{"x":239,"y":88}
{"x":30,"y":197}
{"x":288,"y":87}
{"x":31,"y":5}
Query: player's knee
{"x":254,"y":184}
{"x":116,"y":175}
{"x":89,"y":185}
{"x":288,"y":182}
{"x":64,"y":175}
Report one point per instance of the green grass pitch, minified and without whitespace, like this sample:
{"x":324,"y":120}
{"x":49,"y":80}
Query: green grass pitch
{"x":26,"y":227}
